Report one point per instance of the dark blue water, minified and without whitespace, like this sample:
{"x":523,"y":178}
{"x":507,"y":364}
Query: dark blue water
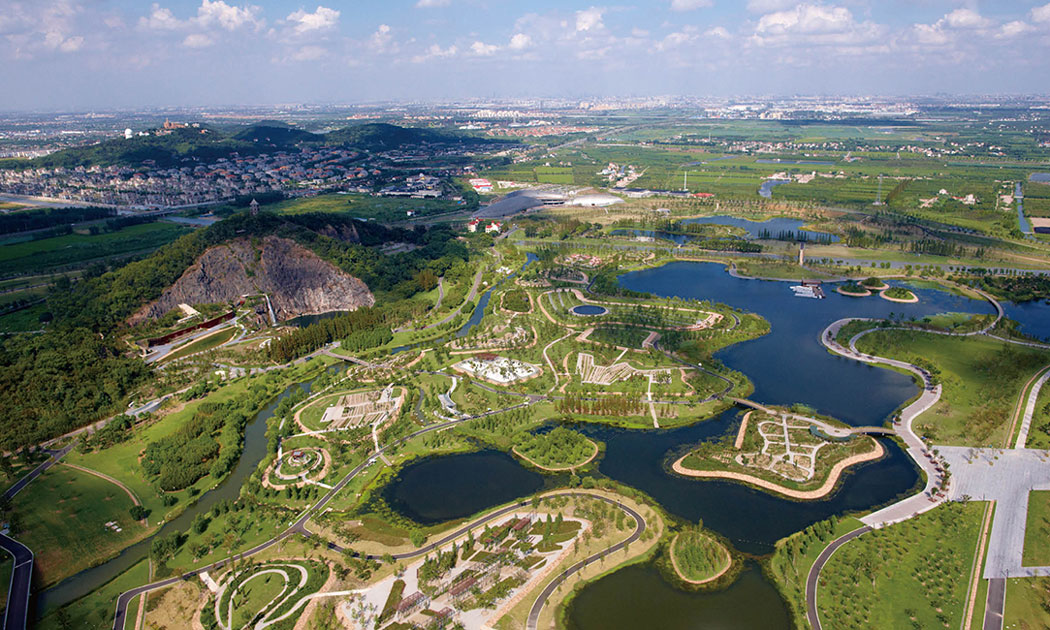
{"x":589,"y":309}
{"x":1033,"y":317}
{"x":789,"y":365}
{"x":638,"y":597}
{"x":439,"y":489}
{"x":751,"y":519}
{"x":754,"y":228}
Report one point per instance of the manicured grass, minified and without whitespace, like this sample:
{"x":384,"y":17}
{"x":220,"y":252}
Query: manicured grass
{"x":6,"y":564}
{"x":63,"y":514}
{"x":911,"y":574}
{"x":253,"y":596}
{"x":95,"y":611}
{"x":1037,"y":530}
{"x":1027,"y":604}
{"x":778,"y":270}
{"x":203,"y":344}
{"x":982,"y":379}
{"x":76,"y":248}
{"x":794,"y":556}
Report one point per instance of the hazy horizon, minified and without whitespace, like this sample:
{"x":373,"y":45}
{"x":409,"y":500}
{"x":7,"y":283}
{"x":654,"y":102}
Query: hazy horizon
{"x":118,"y":54}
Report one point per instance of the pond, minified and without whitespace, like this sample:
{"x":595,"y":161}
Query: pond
{"x":589,"y":310}
{"x":639,"y":597}
{"x":756,"y":228}
{"x":766,"y":189}
{"x":439,"y":489}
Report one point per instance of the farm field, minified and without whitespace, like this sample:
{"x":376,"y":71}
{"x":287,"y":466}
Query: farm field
{"x":74,"y":249}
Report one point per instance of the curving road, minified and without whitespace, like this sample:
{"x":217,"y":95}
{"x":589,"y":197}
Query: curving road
{"x":21,"y":580}
{"x":541,"y":600}
{"x":814,"y":574}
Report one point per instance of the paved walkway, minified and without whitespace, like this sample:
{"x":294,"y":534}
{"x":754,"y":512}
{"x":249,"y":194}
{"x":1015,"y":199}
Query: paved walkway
{"x":924,"y":501}
{"x":1029,"y":410}
{"x":1005,"y":476}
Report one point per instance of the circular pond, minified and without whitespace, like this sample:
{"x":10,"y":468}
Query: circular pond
{"x":589,"y":310}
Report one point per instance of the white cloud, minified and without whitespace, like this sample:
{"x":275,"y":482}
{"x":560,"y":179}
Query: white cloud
{"x":1013,"y":29}
{"x":589,"y":19}
{"x":435,"y":52}
{"x":931,"y":35}
{"x":308,"y":53}
{"x":768,"y":6}
{"x":806,"y":18}
{"x":965,"y":19}
{"x":197,"y":40}
{"x":430,"y":4}
{"x":1041,"y":14}
{"x":520,"y":41}
{"x":690,"y":5}
{"x":718,"y":32}
{"x":320,"y":20}
{"x":71,"y":44}
{"x":228,"y":17}
{"x":482,"y":49}
{"x":381,"y":39}
{"x":160,"y":18}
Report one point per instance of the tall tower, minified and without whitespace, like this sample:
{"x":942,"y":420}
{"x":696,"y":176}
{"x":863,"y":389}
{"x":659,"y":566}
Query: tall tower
{"x":801,"y":253}
{"x":254,"y":207}
{"x":878,"y":195}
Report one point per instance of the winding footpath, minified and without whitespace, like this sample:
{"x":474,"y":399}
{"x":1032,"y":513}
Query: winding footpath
{"x":298,"y":527}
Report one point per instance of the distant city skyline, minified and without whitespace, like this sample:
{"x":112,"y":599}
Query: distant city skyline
{"x":70,"y":55}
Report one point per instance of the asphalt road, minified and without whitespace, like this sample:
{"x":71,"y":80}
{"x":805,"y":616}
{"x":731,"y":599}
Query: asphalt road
{"x":537,"y":606}
{"x":993,"y":611}
{"x":21,"y":581}
{"x":814,"y":574}
{"x":36,"y":472}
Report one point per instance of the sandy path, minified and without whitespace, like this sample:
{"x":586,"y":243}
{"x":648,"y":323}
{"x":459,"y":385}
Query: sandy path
{"x":740,"y":434}
{"x":805,"y":495}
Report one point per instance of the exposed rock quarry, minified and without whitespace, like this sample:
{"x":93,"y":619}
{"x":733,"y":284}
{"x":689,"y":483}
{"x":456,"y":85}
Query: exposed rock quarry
{"x":296,"y":279}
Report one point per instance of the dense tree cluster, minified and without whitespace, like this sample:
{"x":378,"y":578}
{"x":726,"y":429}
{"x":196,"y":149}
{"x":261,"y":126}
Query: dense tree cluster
{"x":359,"y":330}
{"x":558,"y":448}
{"x":41,"y":218}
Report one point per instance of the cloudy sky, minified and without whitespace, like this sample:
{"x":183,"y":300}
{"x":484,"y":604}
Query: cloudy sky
{"x":70,"y":54}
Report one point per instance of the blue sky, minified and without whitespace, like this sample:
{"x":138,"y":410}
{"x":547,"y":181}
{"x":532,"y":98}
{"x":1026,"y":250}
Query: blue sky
{"x":75,"y":54}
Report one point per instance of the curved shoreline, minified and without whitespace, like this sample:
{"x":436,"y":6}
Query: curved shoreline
{"x":681,"y":576}
{"x":841,"y":291}
{"x":514,"y":449}
{"x":804,"y":495}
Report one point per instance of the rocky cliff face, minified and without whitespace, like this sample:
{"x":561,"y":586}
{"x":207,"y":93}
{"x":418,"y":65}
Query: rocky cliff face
{"x":297,"y":280}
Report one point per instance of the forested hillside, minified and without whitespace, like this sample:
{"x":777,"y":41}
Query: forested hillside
{"x":79,"y":370}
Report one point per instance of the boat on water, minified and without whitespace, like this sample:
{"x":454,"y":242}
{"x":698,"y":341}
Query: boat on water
{"x":808,"y":291}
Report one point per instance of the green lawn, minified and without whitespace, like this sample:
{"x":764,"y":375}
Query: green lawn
{"x":209,"y":342}
{"x":63,"y":516}
{"x":1027,"y":604}
{"x":252,"y":596}
{"x":95,"y":611}
{"x":982,"y":380}
{"x":1037,"y":530}
{"x":383,"y":209}
{"x":77,"y":248}
{"x":908,"y":575}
